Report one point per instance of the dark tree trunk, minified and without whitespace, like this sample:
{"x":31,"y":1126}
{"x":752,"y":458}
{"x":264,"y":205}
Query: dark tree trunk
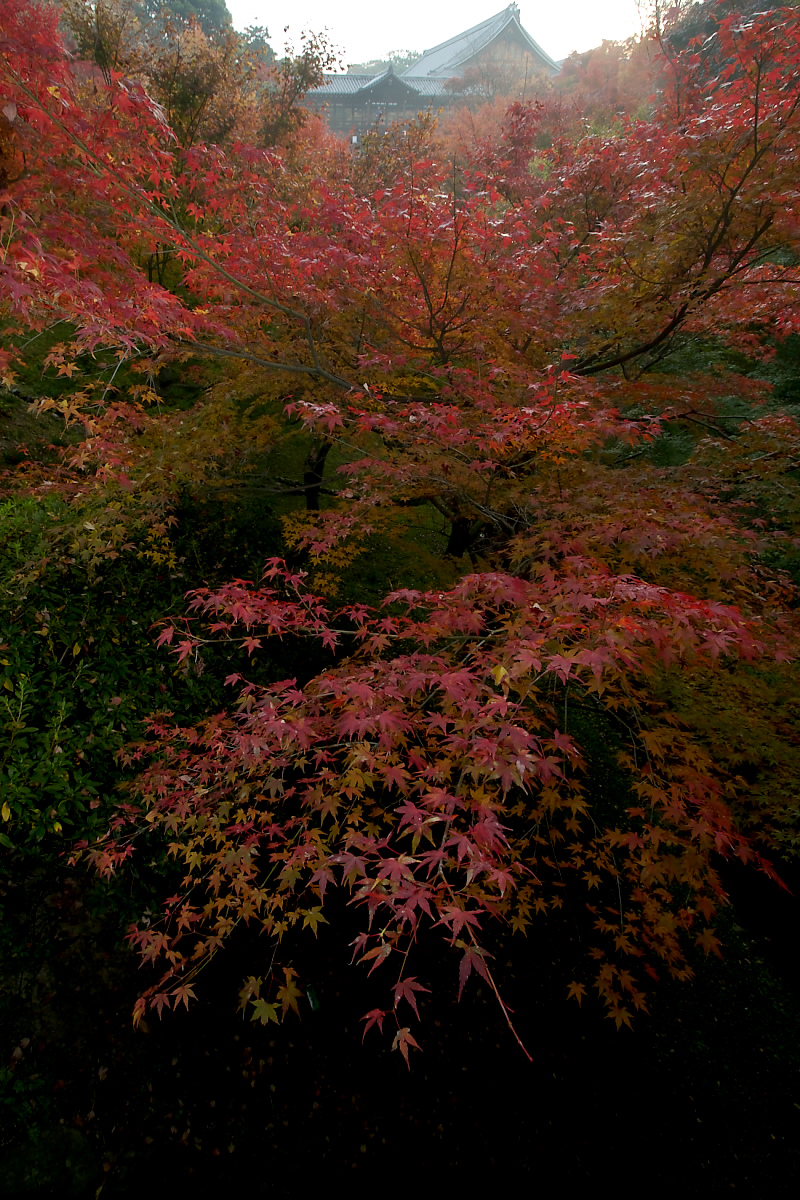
{"x":314,"y":472}
{"x":461,"y":537}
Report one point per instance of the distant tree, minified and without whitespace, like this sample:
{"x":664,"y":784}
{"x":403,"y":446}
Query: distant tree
{"x":207,"y":86}
{"x":612,"y":80}
{"x":400,"y":60}
{"x":121,"y":34}
{"x":287,"y":83}
{"x":256,"y":38}
{"x":211,"y":85}
{"x":494,"y":77}
{"x":110,"y":33}
{"x":213,"y":15}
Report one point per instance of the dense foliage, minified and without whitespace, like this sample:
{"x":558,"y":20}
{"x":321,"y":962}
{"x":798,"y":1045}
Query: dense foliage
{"x":503,"y":430}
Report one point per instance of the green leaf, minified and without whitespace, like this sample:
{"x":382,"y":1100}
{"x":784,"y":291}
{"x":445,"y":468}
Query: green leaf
{"x":313,"y":918}
{"x":264,"y":1012}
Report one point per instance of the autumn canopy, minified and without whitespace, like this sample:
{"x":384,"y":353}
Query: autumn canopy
{"x":505,"y":391}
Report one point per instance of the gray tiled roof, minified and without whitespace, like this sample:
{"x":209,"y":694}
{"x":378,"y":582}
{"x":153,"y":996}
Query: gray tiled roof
{"x":362,"y":85}
{"x":341,"y":85}
{"x":429,"y":86}
{"x":445,"y":59}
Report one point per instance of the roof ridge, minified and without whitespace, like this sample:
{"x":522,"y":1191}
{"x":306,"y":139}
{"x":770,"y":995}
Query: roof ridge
{"x":437,"y":62}
{"x":457,"y":37}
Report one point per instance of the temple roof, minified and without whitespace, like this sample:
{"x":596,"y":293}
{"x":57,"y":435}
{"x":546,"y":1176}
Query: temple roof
{"x":362,"y":86}
{"x":429,"y":75}
{"x":445,"y":59}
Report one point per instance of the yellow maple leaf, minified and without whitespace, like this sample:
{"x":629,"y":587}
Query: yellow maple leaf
{"x":290,"y":993}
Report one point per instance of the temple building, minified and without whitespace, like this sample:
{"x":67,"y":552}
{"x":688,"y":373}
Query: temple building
{"x":495,"y":57}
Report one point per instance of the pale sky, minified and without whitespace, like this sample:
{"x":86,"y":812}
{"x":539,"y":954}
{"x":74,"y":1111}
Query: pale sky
{"x":365,"y":29}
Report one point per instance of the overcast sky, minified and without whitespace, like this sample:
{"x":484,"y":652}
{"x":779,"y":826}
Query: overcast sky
{"x":365,"y":29}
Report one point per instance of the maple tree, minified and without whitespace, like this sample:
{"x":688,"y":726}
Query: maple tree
{"x":609,"y":83}
{"x":476,"y":348}
{"x":214,"y":85}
